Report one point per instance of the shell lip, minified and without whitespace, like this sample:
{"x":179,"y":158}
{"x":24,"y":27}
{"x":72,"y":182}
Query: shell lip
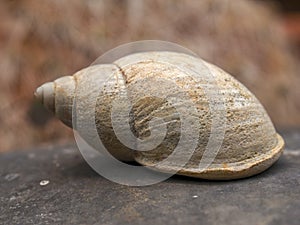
{"x":232,"y":170}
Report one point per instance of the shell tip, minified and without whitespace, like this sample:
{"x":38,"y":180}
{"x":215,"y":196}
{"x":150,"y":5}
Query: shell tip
{"x":45,"y":95}
{"x":38,"y":94}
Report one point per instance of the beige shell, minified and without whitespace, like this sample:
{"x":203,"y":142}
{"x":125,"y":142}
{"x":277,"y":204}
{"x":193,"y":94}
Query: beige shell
{"x":250,"y":143}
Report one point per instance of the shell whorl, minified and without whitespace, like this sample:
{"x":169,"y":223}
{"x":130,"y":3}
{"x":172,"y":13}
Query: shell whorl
{"x":57,"y":97}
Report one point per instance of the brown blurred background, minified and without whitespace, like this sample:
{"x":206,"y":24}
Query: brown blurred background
{"x":256,"y":41}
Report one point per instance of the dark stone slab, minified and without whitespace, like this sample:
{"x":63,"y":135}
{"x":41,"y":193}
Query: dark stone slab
{"x":77,"y":195}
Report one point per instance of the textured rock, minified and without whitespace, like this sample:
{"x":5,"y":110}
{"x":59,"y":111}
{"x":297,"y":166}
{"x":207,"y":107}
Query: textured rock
{"x":54,"y":185}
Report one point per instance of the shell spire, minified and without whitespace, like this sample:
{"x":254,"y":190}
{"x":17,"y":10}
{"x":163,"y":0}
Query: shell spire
{"x":45,"y":95}
{"x":58,"y":93}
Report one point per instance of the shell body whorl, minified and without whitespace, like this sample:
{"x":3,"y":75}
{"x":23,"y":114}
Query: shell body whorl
{"x":250,"y":143}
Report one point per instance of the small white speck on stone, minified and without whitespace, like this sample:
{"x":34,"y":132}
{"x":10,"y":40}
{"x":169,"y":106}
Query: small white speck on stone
{"x":44,"y":182}
{"x":31,"y":155}
{"x":195,"y":196}
{"x":68,"y":151}
{"x":12,"y":198}
{"x":11,"y":176}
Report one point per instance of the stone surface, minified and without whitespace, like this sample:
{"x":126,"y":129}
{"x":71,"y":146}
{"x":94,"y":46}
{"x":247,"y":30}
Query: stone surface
{"x":54,"y":185}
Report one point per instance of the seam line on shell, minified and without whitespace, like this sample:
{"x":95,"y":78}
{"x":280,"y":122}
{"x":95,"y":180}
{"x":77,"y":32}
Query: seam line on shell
{"x":131,"y":114}
{"x":122,"y":72}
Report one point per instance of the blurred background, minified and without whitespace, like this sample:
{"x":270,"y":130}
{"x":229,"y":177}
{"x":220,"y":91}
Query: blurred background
{"x":256,"y":41}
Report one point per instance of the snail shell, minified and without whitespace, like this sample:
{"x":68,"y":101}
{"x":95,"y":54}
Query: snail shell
{"x":249,"y":144}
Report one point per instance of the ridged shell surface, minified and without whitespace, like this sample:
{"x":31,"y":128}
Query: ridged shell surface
{"x":249,"y":144}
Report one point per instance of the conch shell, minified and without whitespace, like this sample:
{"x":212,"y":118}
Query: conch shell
{"x":161,"y":92}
